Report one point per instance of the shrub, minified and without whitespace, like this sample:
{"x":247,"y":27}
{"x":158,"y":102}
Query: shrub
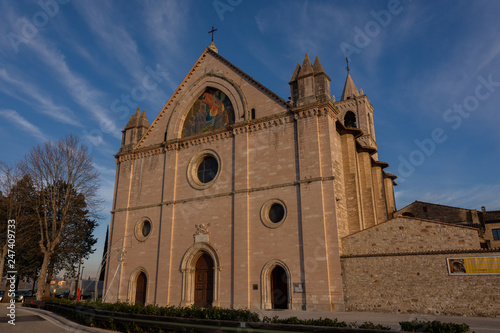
{"x":296,"y":321}
{"x":211,"y":313}
{"x":370,"y":325}
{"x":433,"y":327}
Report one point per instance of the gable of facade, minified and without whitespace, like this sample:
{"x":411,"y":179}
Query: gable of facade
{"x":212,"y":70}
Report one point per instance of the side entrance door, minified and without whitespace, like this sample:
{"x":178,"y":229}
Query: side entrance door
{"x":204,"y":281}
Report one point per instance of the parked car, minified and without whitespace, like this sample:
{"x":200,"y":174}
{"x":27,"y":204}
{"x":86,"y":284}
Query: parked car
{"x":64,"y":294}
{"x":19,"y":295}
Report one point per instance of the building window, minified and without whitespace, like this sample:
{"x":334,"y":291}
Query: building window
{"x":143,"y":229}
{"x":146,"y":228}
{"x":496,"y":234}
{"x":273,"y":213}
{"x":204,"y":169}
{"x":207,"y":170}
{"x":253,"y":114}
{"x":276,"y":212}
{"x":350,"y":119}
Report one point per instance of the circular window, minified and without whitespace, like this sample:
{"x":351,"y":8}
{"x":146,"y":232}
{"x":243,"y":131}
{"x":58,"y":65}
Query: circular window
{"x":204,"y":169}
{"x":207,"y":170}
{"x":273,"y":213}
{"x":143,"y":229}
{"x":276,"y":212}
{"x":146,"y":228}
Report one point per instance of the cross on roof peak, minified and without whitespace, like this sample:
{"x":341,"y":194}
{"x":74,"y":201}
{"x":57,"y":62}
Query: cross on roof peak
{"x":212,"y":32}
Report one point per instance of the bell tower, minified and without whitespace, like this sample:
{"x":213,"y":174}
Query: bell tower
{"x":356,"y":111}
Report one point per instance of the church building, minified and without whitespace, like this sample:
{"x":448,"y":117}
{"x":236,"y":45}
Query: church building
{"x":234,"y":197}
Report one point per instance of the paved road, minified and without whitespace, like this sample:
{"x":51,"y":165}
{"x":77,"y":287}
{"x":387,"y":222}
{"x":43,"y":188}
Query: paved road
{"x":40,"y":321}
{"x":477,"y":324}
{"x":35,"y":320}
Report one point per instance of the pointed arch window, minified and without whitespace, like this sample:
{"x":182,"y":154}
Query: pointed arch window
{"x":350,"y":119}
{"x":210,"y":111}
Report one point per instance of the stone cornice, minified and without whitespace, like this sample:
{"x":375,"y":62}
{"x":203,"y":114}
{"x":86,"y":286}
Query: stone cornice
{"x":365,"y":149}
{"x":380,"y":164}
{"x":356,"y":132}
{"x":328,"y":108}
{"x":155,"y":150}
{"x":390,"y":175}
{"x":225,"y":194}
{"x":227,"y":132}
{"x":420,"y":253}
{"x":352,"y":102}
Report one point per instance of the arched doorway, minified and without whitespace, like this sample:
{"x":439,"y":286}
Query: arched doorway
{"x":279,"y":288}
{"x":204,"y":281}
{"x":276,"y":285}
{"x":188,"y":269}
{"x":140,"y":289}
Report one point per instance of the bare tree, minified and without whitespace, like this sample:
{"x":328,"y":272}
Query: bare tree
{"x":60,"y":171}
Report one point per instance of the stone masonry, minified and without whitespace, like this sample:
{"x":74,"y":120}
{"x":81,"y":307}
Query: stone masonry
{"x":400,"y":266}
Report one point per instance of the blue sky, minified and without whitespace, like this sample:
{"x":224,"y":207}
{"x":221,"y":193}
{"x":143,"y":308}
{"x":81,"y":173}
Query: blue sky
{"x":431,"y":69}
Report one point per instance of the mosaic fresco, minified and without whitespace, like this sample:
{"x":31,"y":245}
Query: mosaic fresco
{"x":212,"y":110}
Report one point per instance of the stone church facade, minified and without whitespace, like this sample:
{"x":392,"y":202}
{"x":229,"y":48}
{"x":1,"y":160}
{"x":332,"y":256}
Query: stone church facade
{"x":234,"y":197}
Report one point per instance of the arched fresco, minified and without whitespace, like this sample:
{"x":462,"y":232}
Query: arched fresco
{"x":211,"y":110}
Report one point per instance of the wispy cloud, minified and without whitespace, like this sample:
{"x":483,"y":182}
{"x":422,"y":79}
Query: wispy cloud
{"x":23,"y":124}
{"x":306,"y":27}
{"x":41,"y":102}
{"x":81,"y":91}
{"x":103,"y":170}
{"x":166,"y":22}
{"x":102,"y":19}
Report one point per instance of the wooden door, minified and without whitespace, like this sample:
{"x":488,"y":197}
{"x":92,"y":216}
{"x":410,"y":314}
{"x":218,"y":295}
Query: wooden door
{"x":279,"y":288}
{"x":204,"y":281}
{"x":140,"y":289}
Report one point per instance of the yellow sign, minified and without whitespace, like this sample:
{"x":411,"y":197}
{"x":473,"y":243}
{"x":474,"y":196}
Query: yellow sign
{"x":473,"y":265}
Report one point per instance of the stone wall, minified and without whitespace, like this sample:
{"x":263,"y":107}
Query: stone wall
{"x":406,"y":234}
{"x":441,"y":213}
{"x":418,"y":283}
{"x":400,"y":266}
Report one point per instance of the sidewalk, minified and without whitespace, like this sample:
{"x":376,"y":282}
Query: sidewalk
{"x":40,"y":321}
{"x":477,"y":324}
